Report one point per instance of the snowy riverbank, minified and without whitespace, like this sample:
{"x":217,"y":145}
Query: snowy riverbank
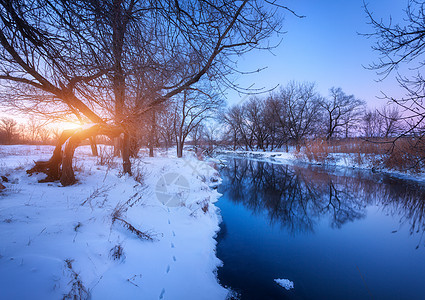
{"x":108,"y":236}
{"x":344,"y":160}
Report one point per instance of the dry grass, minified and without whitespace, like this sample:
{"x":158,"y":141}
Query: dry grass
{"x":78,"y":290}
{"x":117,"y":253}
{"x":117,"y":216}
{"x":139,"y":171}
{"x":316,"y":150}
{"x":98,"y":192}
{"x":402,"y":154}
{"x":140,"y":234}
{"x":106,"y":157}
{"x":406,"y":154}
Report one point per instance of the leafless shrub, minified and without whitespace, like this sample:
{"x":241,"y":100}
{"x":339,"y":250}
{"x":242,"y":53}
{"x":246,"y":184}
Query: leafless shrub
{"x":78,"y":290}
{"x":105,"y":157}
{"x":134,"y":199}
{"x":118,"y":211}
{"x":117,"y":214}
{"x":10,"y":188}
{"x":97,"y":193}
{"x":117,"y":253}
{"x":205,"y":207}
{"x":140,"y":234}
{"x":78,"y":165}
{"x":139,"y":172}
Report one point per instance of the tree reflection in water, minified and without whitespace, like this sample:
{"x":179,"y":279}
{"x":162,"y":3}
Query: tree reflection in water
{"x":298,"y":197}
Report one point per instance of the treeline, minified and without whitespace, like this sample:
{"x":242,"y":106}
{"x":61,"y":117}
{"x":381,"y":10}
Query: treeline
{"x":297,"y":113}
{"x":184,"y":119}
{"x":290,"y":116}
{"x":32,"y":132}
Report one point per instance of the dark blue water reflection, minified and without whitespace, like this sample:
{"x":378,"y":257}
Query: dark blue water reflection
{"x":337,"y":234}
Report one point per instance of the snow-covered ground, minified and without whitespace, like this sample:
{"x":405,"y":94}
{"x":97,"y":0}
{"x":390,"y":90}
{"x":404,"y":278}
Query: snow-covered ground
{"x":345,"y":160}
{"x":268,"y":156}
{"x":108,"y":236}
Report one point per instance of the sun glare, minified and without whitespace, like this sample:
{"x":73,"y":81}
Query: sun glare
{"x":61,"y":126}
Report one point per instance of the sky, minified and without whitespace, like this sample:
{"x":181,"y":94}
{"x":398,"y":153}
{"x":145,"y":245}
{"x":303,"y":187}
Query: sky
{"x":325,"y":47}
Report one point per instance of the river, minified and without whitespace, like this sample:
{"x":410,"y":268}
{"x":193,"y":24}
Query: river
{"x":337,"y":233}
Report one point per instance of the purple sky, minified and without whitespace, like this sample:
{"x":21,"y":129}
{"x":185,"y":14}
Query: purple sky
{"x":325,"y":47}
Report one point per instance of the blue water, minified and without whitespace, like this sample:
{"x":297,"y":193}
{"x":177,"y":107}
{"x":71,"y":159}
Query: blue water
{"x":336,"y":233}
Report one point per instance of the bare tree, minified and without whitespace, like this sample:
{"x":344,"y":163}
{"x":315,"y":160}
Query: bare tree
{"x":198,"y":133}
{"x":210,"y":137}
{"x":190,"y":110}
{"x":256,"y":122}
{"x":373,"y":124}
{"x":276,"y":120}
{"x":391,"y":121}
{"x":403,"y":44}
{"x":10,"y":129}
{"x":78,"y":56}
{"x":340,"y":111}
{"x":292,"y":114}
{"x":231,"y":117}
{"x":237,"y":127}
{"x":303,"y":110}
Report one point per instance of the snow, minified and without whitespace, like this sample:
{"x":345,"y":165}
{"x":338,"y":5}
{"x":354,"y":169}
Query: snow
{"x":285,"y":283}
{"x":63,"y":241}
{"x":343,"y":160}
{"x":268,"y":156}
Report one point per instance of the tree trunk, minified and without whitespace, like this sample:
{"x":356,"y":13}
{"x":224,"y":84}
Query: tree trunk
{"x":52,"y":167}
{"x":117,"y":146}
{"x":180,"y":149}
{"x":71,"y":139}
{"x":134,"y":146}
{"x":126,"y":164}
{"x":152,"y":133}
{"x":68,"y":176}
{"x":93,"y":146}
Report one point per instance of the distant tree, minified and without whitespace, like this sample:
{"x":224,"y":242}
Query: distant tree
{"x":233,"y":118}
{"x":198,"y":134}
{"x":165,"y":126}
{"x":255,"y":118}
{"x":391,"y":121}
{"x":191,"y":109}
{"x":373,"y":124}
{"x":276,"y":118}
{"x":340,"y":111}
{"x":209,"y":136}
{"x":303,"y":105}
{"x":292,"y":114}
{"x":9,"y":127}
{"x":36,"y":131}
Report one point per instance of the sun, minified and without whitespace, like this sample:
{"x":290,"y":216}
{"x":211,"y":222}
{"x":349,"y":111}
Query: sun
{"x":64,"y":125}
